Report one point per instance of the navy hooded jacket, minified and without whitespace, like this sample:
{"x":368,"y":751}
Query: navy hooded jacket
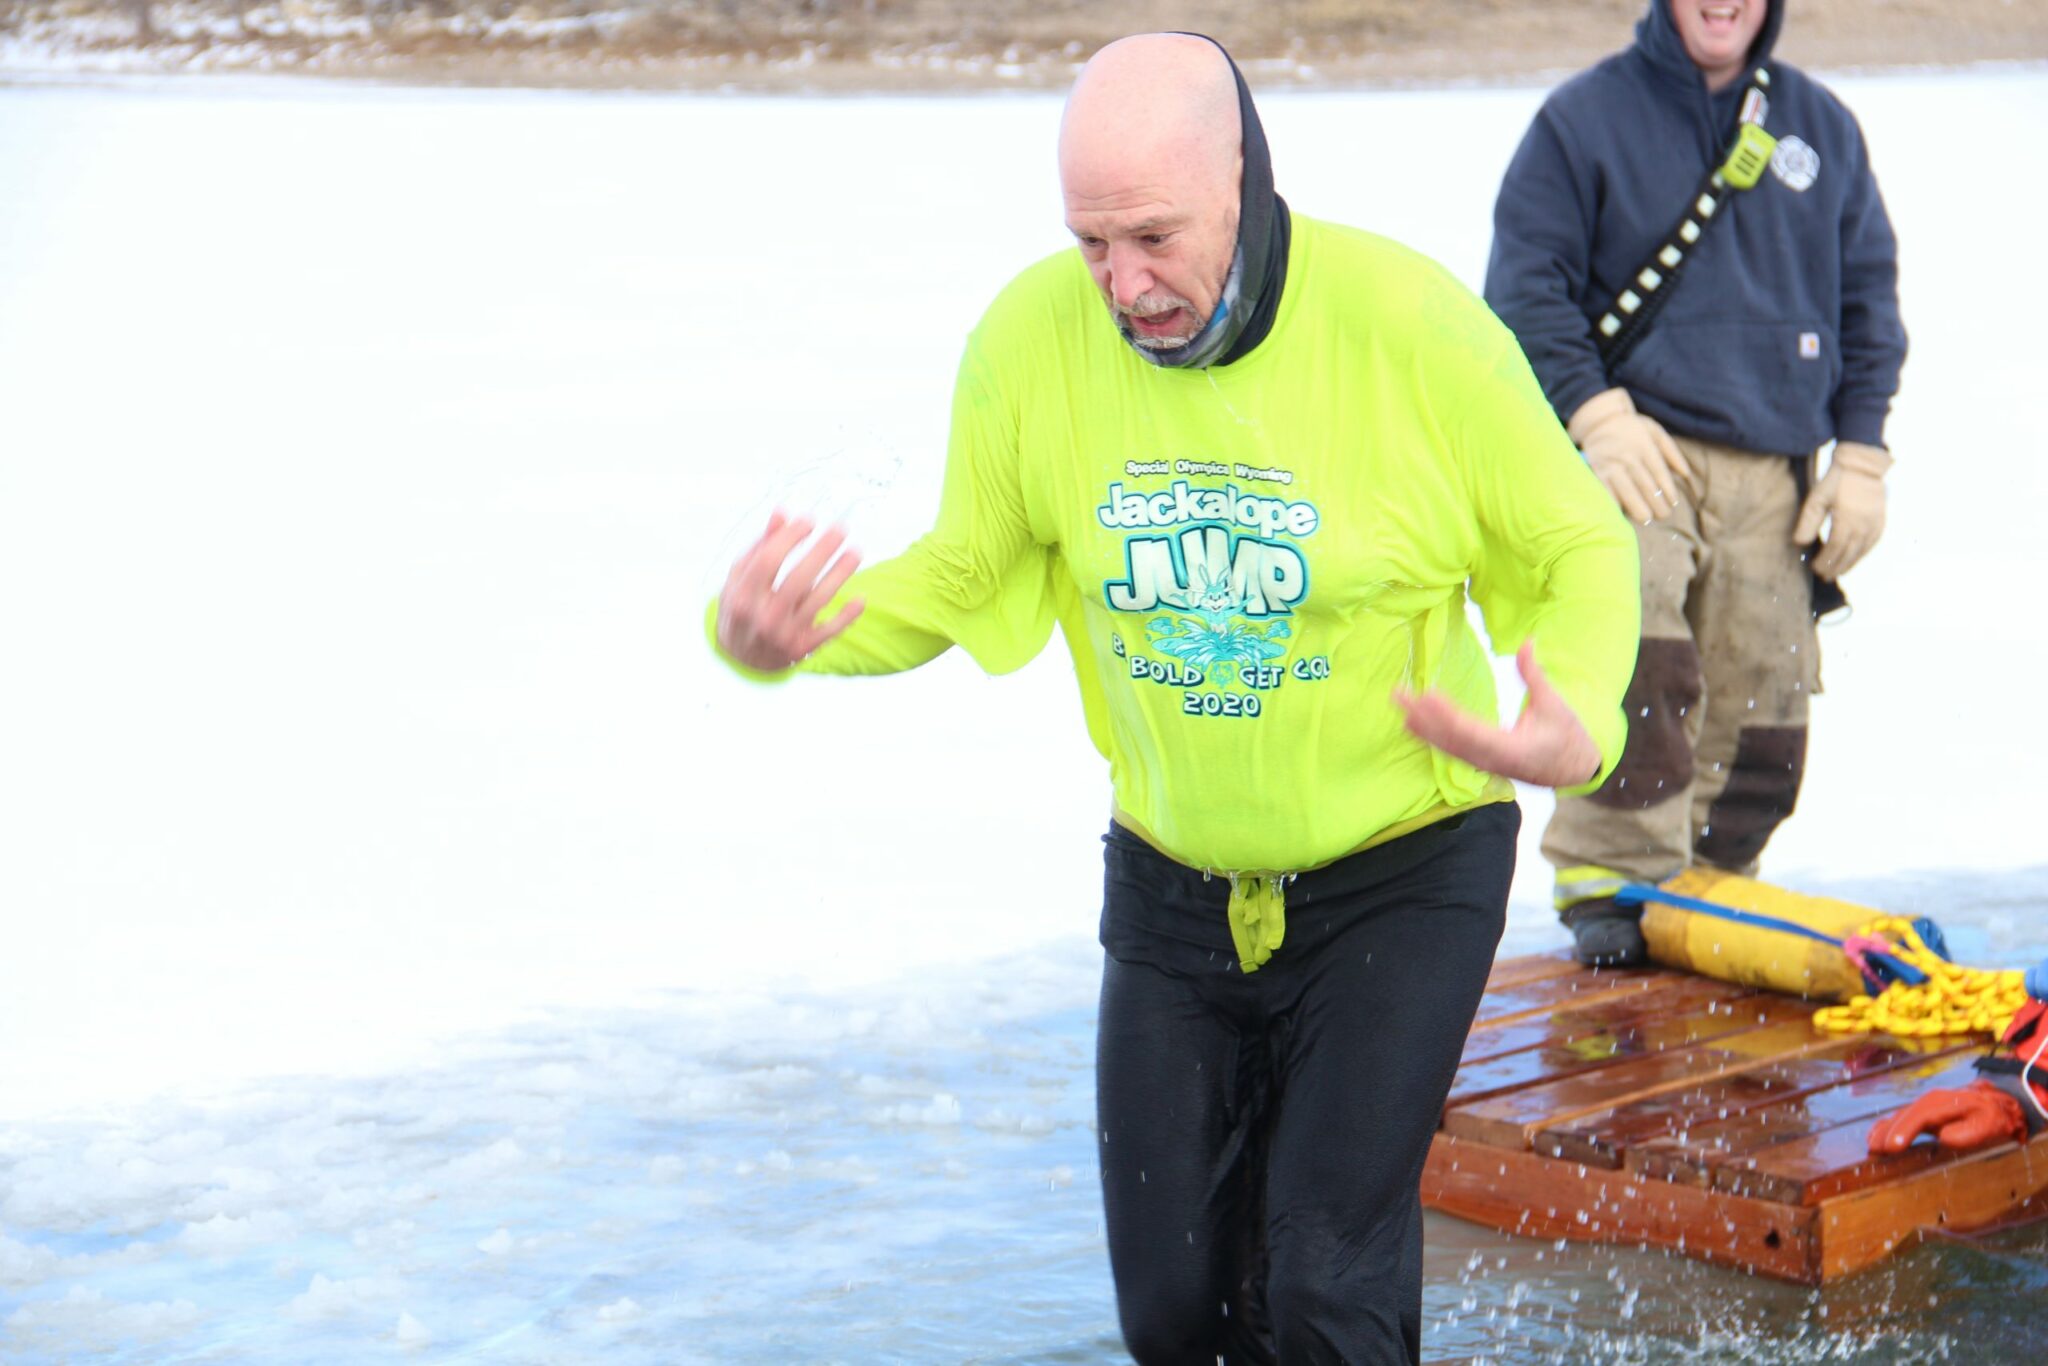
{"x":1783,"y":331}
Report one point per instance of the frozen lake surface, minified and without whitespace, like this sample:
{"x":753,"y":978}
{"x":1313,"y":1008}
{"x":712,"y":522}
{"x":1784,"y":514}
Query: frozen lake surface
{"x":421,"y":948}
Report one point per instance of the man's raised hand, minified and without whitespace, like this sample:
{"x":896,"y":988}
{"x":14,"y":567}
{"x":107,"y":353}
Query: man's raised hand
{"x":1547,"y":745}
{"x":769,"y":625}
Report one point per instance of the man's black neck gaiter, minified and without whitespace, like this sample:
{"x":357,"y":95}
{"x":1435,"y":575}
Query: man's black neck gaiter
{"x":1251,"y":296}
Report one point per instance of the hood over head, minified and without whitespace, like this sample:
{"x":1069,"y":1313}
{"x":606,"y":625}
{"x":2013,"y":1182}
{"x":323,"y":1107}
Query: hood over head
{"x":1251,"y":294}
{"x":1658,"y":38}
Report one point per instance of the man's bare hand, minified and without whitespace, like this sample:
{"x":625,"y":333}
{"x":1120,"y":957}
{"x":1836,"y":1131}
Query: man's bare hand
{"x":1546,"y":745}
{"x":771,"y":626}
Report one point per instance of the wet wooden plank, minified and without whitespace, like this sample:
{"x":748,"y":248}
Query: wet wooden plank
{"x":1958,"y":1192}
{"x":1534,"y":967}
{"x":1736,"y":1147}
{"x":1542,"y":1197}
{"x":1513,"y":1118}
{"x":1577,"y":1053}
{"x":1693,"y":1153}
{"x":1830,"y":1163}
{"x":1672,"y":995}
{"x":1581,"y":986}
{"x":1601,"y":1138}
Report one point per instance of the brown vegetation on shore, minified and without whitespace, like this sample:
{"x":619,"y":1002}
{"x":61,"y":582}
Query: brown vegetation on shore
{"x":856,"y":45}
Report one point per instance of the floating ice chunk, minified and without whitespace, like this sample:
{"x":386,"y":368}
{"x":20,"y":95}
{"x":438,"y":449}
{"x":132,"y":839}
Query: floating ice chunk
{"x":332,"y":1299}
{"x":397,"y":1235}
{"x":943,"y":1110}
{"x":497,"y":1160}
{"x":24,"y":1264}
{"x":497,"y":1245}
{"x":1032,"y":1125}
{"x":411,"y":1332}
{"x":222,"y":1236}
{"x":619,"y":1311}
{"x":84,"y":1318}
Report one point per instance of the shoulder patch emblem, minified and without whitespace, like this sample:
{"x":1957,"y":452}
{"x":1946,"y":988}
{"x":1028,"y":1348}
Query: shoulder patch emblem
{"x":1796,"y":163}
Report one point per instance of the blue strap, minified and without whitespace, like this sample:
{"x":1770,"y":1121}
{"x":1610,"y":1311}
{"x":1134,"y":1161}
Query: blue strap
{"x":1636,"y":893}
{"x":1898,"y":969}
{"x":1930,"y":935}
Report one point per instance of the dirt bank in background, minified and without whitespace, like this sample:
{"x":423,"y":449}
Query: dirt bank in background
{"x":851,"y":46}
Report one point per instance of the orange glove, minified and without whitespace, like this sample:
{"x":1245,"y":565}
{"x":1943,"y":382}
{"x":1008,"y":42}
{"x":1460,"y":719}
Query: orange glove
{"x":1973,"y":1116}
{"x":2020,"y":1032}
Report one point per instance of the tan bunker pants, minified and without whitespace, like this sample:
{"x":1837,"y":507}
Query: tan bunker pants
{"x":1717,"y":707}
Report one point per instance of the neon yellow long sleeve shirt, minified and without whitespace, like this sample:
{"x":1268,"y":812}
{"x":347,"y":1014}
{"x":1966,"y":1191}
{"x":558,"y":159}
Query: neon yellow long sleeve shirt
{"x":1247,"y":561}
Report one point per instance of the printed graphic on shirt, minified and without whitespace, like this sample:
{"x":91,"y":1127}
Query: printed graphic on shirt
{"x":1215,"y":573}
{"x":1796,"y":163}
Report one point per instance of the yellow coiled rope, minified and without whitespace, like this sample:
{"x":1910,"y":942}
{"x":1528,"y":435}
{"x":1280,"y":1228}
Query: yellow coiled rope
{"x":1953,"y":1000}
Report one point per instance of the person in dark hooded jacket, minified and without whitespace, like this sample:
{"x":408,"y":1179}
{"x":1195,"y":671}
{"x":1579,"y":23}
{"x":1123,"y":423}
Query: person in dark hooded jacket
{"x":1775,"y":331}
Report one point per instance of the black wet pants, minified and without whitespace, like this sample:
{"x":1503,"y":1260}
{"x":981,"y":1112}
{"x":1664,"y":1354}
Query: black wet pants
{"x":1263,"y":1135}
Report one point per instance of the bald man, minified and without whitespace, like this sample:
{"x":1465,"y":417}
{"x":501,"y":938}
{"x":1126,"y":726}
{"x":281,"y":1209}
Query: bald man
{"x":1252,"y":465}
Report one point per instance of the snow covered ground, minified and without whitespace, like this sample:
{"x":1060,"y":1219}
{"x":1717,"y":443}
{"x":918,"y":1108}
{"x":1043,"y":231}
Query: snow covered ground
{"x":418,"y":944}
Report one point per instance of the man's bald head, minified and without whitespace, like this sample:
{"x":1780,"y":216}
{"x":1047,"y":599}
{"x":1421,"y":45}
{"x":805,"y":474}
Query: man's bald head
{"x":1158,"y":104}
{"x":1151,"y":163}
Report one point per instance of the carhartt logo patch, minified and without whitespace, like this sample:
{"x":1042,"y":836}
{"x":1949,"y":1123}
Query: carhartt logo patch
{"x":1795,"y":163}
{"x":1809,"y":346}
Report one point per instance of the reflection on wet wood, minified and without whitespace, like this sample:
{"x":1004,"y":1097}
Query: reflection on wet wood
{"x":1580,"y":986}
{"x":1695,"y":1153}
{"x":1677,"y":998}
{"x":1511,"y":1120}
{"x":1576,"y":1050}
{"x":1769,"y":1088}
{"x":1512,"y":972}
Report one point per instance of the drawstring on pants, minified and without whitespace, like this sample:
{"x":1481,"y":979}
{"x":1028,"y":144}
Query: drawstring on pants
{"x":1258,"y":916}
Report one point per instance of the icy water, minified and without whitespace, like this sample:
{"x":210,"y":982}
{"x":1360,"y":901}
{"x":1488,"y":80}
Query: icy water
{"x":419,"y":950}
{"x":894,"y":1175}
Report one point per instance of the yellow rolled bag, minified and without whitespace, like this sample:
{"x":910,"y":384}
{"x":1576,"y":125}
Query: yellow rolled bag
{"x":1888,"y":973}
{"x":1695,"y":938}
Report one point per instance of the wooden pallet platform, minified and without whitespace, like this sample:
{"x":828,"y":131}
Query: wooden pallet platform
{"x":1660,"y":1109}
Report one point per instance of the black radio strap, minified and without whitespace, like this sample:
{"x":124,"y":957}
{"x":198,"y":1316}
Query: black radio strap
{"x":1636,"y":307}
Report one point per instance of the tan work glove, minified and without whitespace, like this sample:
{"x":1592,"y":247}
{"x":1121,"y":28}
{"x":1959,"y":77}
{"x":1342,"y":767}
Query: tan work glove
{"x":1634,"y":456}
{"x":1850,"y":498}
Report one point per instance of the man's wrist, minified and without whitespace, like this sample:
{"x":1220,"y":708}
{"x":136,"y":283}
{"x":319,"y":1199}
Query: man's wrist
{"x":1857,"y":457}
{"x":746,"y":671}
{"x":1598,"y":411}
